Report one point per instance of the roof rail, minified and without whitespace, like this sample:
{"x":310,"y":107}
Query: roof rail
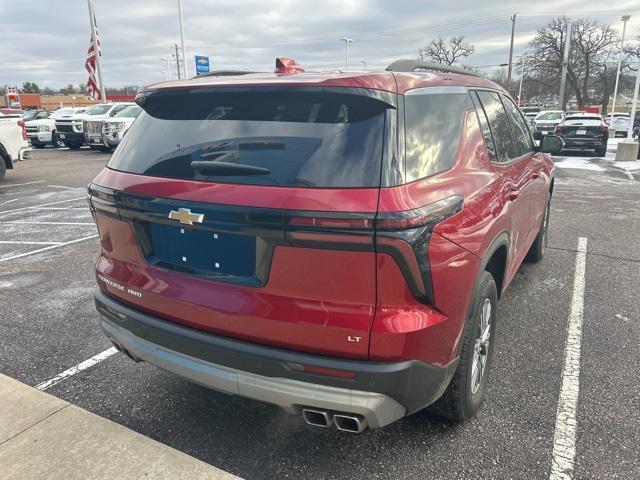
{"x":409,"y":65}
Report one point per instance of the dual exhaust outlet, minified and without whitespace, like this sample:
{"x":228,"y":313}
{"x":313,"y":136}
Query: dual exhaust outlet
{"x":343,"y":421}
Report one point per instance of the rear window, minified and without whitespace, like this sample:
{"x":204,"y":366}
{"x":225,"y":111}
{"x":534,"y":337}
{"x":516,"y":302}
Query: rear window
{"x":302,"y":138}
{"x":433,"y":125}
{"x":549,"y":116}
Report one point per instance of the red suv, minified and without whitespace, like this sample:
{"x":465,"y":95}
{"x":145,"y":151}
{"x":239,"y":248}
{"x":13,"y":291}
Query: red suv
{"x":332,"y":243}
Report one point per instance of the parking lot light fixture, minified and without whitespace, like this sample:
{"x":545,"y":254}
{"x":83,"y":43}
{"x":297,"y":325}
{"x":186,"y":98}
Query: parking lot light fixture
{"x":346,"y":41}
{"x":625,"y":19}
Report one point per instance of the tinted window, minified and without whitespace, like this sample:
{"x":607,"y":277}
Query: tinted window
{"x":499,"y":124}
{"x":486,"y":131}
{"x":521,"y":134}
{"x":313,"y":139}
{"x":433,"y":125}
{"x":549,"y":116}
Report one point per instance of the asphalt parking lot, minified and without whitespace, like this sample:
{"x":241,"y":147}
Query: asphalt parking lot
{"x":48,"y":324}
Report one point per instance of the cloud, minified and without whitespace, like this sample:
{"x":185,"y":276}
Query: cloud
{"x":46,"y":42}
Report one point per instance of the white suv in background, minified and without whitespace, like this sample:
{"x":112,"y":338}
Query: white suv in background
{"x":42,"y":129}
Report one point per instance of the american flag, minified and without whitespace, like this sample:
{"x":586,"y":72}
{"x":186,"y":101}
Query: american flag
{"x":93,"y":87}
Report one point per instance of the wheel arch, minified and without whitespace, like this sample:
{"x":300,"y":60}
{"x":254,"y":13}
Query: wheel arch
{"x":495,"y":260}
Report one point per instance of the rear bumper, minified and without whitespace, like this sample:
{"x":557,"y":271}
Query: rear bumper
{"x":380,"y":392}
{"x":583,"y":143}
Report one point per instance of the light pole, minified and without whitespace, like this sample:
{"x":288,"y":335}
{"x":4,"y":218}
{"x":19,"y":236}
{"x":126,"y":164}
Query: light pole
{"x":634,"y":105}
{"x":346,"y":41}
{"x":521,"y":77}
{"x":565,"y":65}
{"x":364,"y":64}
{"x":624,"y":19}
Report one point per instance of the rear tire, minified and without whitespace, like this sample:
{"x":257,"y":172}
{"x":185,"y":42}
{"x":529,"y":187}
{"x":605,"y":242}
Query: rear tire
{"x":37,"y":145}
{"x":3,"y":166}
{"x":73,"y":146}
{"x":601,"y":152}
{"x":536,"y":252}
{"x":468,"y":387}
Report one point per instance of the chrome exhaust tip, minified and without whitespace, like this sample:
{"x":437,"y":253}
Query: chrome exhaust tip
{"x":317,"y":418}
{"x":350,"y":423}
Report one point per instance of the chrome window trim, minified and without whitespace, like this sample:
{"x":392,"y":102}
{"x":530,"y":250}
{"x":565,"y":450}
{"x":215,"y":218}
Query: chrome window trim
{"x":434,"y":90}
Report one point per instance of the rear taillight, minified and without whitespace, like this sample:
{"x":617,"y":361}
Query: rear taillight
{"x":24,"y":130}
{"x":402,"y":235}
{"x":604,"y":129}
{"x":406,"y":235}
{"x":558,"y":129}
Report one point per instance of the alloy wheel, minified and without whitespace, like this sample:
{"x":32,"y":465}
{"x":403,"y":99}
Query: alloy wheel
{"x":481,"y":346}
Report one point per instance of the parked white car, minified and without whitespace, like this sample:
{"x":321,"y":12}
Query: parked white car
{"x":42,"y":130}
{"x":114,"y":129}
{"x":14,"y":144}
{"x":619,"y":122}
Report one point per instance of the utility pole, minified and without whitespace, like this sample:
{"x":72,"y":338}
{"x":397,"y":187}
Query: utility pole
{"x":513,"y":34}
{"x":625,"y":19}
{"x":175,"y":45}
{"x":364,"y":64}
{"x":184,"y":56}
{"x":96,"y":50}
{"x":346,"y":41}
{"x":565,"y":64}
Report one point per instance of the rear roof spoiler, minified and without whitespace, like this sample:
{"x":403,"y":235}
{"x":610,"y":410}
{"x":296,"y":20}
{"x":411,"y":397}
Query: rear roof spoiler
{"x":408,"y":65}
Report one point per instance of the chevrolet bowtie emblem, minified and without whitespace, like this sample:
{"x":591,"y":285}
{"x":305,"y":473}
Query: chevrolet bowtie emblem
{"x":184,"y":215}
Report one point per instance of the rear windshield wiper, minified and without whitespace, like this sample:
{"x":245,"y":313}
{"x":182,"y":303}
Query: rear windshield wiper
{"x":226,"y":168}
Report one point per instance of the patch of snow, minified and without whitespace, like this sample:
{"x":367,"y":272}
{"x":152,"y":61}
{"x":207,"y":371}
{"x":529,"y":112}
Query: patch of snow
{"x":578,"y":163}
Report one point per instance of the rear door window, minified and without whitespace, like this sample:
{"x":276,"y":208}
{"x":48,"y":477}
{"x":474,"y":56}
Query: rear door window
{"x":521,"y":134}
{"x":276,"y":137}
{"x":499,"y":124}
{"x":433,"y":125}
{"x":486,"y":130}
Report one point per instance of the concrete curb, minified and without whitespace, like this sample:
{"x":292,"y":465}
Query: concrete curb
{"x":42,"y":436}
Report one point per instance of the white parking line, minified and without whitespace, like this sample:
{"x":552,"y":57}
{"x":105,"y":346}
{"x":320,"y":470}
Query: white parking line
{"x":42,"y":205}
{"x":51,"y":247}
{"x":78,"y":368}
{"x":12,"y":242}
{"x":10,"y":222}
{"x":20,"y":184}
{"x":564,"y":438}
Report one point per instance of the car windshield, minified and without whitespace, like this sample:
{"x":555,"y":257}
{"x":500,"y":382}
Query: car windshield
{"x":29,"y":114}
{"x":99,"y":109}
{"x":130,"y":112}
{"x":285,"y":138}
{"x":549,"y":116}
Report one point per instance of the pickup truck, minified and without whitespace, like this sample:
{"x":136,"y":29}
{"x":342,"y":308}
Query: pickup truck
{"x":71,"y":130}
{"x":14,"y":145}
{"x":93,"y":124}
{"x":42,"y":129}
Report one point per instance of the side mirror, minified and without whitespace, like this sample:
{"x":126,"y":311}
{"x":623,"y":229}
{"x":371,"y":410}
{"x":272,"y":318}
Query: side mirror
{"x":552,"y":144}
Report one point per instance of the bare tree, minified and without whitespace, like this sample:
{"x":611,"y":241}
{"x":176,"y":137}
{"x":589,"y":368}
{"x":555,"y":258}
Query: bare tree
{"x":590,"y":51}
{"x":446,"y":51}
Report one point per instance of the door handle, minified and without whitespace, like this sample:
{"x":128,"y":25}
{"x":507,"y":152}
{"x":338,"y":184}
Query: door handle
{"x":513,"y":194}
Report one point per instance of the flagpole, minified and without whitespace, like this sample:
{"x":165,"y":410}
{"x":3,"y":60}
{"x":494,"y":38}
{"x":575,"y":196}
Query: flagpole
{"x":184,"y":58}
{"x":96,"y":50}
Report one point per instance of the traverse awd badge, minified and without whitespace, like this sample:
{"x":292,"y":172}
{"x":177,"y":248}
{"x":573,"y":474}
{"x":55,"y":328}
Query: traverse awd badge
{"x":184,"y":216}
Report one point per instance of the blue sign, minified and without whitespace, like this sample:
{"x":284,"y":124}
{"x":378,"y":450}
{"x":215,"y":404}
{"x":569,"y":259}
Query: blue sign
{"x":202,"y":64}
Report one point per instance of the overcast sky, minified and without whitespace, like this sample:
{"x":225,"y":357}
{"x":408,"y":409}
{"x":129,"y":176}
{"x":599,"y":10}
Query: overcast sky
{"x":46,"y":41}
